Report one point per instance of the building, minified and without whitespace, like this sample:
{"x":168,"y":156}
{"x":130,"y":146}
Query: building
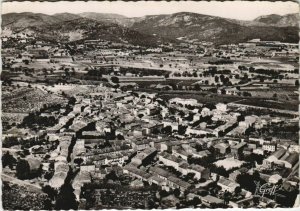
{"x":144,"y":157}
{"x":227,"y":185}
{"x":269,"y":147}
{"x":237,"y":150}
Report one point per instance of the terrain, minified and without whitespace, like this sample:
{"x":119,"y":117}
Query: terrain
{"x":154,"y":29}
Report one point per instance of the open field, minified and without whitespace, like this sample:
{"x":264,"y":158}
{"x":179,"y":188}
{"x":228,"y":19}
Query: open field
{"x":25,"y":100}
{"x":203,"y":97}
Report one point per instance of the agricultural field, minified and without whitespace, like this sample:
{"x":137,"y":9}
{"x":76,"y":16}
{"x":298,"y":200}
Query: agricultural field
{"x":26,"y":99}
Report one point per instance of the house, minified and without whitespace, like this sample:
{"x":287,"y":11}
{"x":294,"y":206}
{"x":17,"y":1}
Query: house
{"x":211,"y":201}
{"x":233,"y":176}
{"x":157,"y":180}
{"x":79,"y":148}
{"x":144,"y":156}
{"x":227,"y":185}
{"x":228,"y":91}
{"x":116,"y":158}
{"x":140,"y":144}
{"x":170,"y":160}
{"x":270,"y":147}
{"x":99,"y":174}
{"x":199,"y":171}
{"x":294,"y":148}
{"x":83,"y":177}
{"x":137,"y":173}
{"x":174,"y":182}
{"x":291,"y":160}
{"x":159,"y":172}
{"x":248,"y":122}
{"x":184,"y":102}
{"x":283,"y":158}
{"x":180,"y":152}
{"x":34,"y":164}
{"x":174,"y":125}
{"x":88,"y":168}
{"x":274,"y":179}
{"x":221,"y":107}
{"x":58,"y":180}
{"x":274,"y":157}
{"x":222,"y":148}
{"x":205,"y":112}
{"x":237,"y":150}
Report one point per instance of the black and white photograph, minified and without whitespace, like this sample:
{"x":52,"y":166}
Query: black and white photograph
{"x":149,"y":105}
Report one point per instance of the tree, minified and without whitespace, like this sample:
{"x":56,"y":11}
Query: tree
{"x":23,"y":169}
{"x":220,"y":170}
{"x":237,"y":190}
{"x":222,"y":77}
{"x":196,"y":201}
{"x":190,"y":175}
{"x":297,"y":83}
{"x":47,"y":204}
{"x":247,"y":181}
{"x":78,"y":161}
{"x":247,"y":94}
{"x":216,"y":79}
{"x":8,"y":160}
{"x":51,"y":192}
{"x":66,"y":199}
{"x":120,"y":137}
{"x":181,"y":130}
{"x":115,"y":79}
{"x":111,"y":176}
{"x":167,"y":129}
{"x":48,"y":175}
{"x":163,"y":193}
{"x":261,"y":79}
{"x":227,"y":196}
{"x":197,"y":87}
{"x":176,"y":192}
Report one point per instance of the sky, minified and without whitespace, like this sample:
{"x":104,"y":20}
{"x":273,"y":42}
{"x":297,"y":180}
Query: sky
{"x":230,"y":9}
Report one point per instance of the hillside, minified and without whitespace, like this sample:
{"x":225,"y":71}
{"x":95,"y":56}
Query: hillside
{"x":66,"y":27}
{"x":151,"y":30}
{"x":195,"y":26}
{"x":66,"y":16}
{"x":108,"y":18}
{"x":26,"y":19}
{"x":289,"y":20}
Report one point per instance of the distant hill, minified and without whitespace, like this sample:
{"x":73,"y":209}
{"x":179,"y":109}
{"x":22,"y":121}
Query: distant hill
{"x":26,"y":19}
{"x":280,"y":21}
{"x":195,"y":26}
{"x":151,"y":30}
{"x":108,"y":17}
{"x":66,"y":27}
{"x":66,"y":16}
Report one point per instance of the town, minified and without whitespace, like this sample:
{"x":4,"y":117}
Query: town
{"x":98,"y":124}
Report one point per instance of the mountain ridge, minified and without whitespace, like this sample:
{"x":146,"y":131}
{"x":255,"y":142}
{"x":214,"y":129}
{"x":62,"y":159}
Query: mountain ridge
{"x":192,"y":26}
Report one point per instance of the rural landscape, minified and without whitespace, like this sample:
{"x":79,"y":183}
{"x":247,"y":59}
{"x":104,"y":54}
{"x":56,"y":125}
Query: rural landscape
{"x":180,"y":110}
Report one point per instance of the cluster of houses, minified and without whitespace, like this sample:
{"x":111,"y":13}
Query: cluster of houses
{"x":152,"y":139}
{"x":133,"y":130}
